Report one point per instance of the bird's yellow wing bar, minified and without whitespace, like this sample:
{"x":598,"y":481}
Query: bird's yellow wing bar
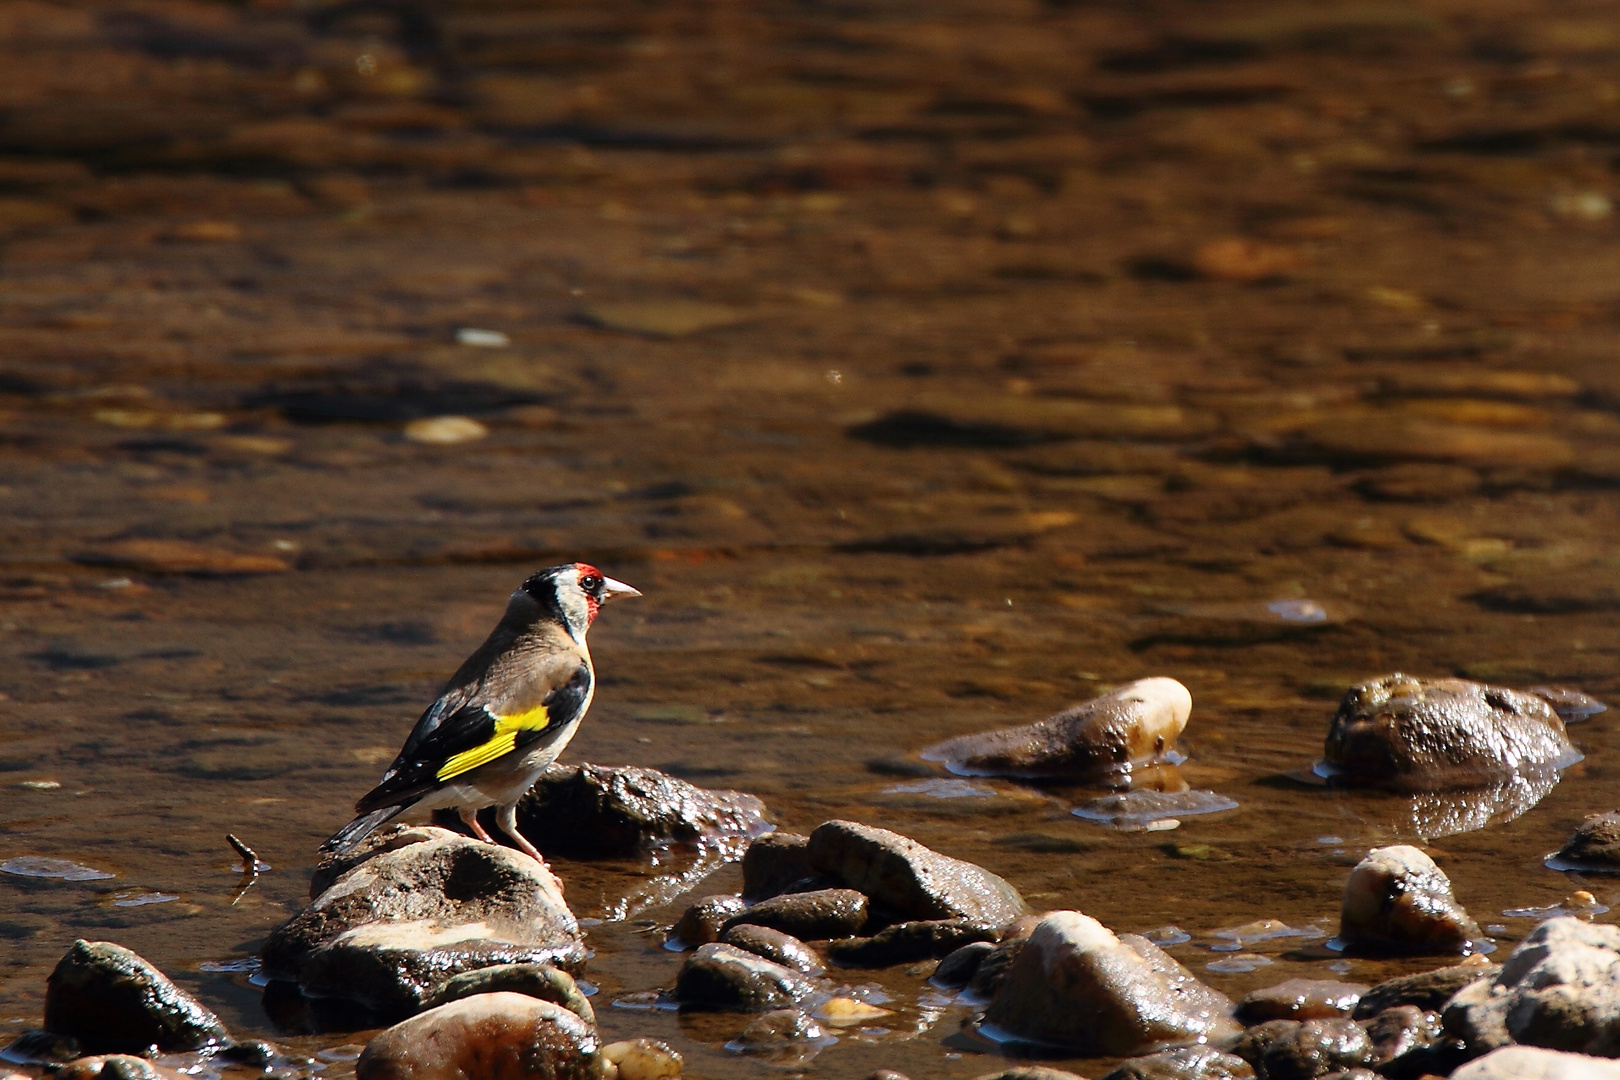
{"x":502,"y":741}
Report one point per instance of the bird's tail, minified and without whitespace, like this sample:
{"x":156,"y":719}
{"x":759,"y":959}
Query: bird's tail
{"x":344,"y":840}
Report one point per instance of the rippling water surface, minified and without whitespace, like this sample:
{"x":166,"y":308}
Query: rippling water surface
{"x":930,"y":368}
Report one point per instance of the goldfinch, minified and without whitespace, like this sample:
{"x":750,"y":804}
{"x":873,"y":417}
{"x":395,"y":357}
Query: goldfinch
{"x":505,"y":715}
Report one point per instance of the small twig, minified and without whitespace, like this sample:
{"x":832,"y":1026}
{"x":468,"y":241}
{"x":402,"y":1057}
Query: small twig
{"x":250,"y":859}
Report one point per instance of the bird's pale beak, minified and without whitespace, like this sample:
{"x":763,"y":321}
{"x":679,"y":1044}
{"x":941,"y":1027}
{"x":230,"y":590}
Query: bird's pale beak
{"x":613,"y":589}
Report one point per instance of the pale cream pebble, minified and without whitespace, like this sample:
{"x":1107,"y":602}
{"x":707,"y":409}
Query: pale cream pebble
{"x":843,"y":1011}
{"x":641,"y":1059}
{"x":445,"y":430}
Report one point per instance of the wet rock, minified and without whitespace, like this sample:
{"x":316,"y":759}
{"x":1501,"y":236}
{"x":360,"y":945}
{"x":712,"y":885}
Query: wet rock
{"x":389,"y":932}
{"x":1415,"y":734}
{"x":773,"y":862}
{"x":907,"y":879}
{"x":1078,"y":986}
{"x":1187,"y":1063}
{"x":536,"y":980}
{"x":1398,"y":901}
{"x":1300,"y":999}
{"x":826,"y":913}
{"x":706,"y":919}
{"x":1399,"y":1031}
{"x":1530,"y":1063}
{"x":785,"y":1037}
{"x":776,"y":947}
{"x":596,"y":811}
{"x":112,"y":1001}
{"x":1134,"y":723}
{"x":958,"y":969}
{"x":1594,"y":846}
{"x":847,"y":1012}
{"x":1559,"y":989}
{"x":908,"y":941}
{"x":724,"y":977}
{"x":501,"y":1036}
{"x":642,"y":1059}
{"x":1572,"y":706}
{"x":993,"y":968}
{"x":1305,"y":1050}
{"x":115,"y":1067}
{"x":1428,"y":990}
{"x":1032,"y":1072}
{"x":388,"y":838}
{"x":887,"y":1074}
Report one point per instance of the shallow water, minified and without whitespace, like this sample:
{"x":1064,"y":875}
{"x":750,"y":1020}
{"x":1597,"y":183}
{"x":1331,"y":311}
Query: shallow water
{"x":885,"y":348}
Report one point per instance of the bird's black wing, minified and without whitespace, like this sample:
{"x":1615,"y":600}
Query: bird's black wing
{"x":466,"y":735}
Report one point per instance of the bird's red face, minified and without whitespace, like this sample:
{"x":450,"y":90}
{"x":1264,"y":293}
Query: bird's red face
{"x":597,"y":589}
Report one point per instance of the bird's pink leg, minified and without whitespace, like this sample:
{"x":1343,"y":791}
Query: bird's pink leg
{"x":470,"y":818}
{"x":507,"y":817}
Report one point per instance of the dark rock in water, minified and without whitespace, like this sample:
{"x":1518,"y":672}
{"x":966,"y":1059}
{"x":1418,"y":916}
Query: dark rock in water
{"x":725,"y":977}
{"x":389,"y":932}
{"x":816,"y":916}
{"x":905,"y":942}
{"x":1399,"y":1031}
{"x":958,"y":969}
{"x":1428,"y":990}
{"x":773,"y":862}
{"x":995,"y":965}
{"x":500,"y":1036}
{"x":536,"y":980}
{"x":1187,"y":1063}
{"x":388,"y":838}
{"x":908,"y":880}
{"x":1417,"y":734}
{"x":1300,"y":999}
{"x":1136,"y":722}
{"x":43,"y":1046}
{"x":1398,"y":901}
{"x":1533,"y":1063}
{"x":775,"y":946}
{"x":597,"y":811}
{"x":1595,"y":845}
{"x":1305,"y":1050}
{"x":115,"y":1067}
{"x":1032,"y":1072}
{"x":1557,"y":989}
{"x":1077,"y":986}
{"x":1572,"y":706}
{"x":706,"y":919}
{"x":112,"y":1001}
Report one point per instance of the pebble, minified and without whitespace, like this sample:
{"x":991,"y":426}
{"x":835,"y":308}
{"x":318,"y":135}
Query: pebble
{"x":1397,"y":900}
{"x":724,"y":977}
{"x":705,"y":920}
{"x":1300,"y":999}
{"x":911,"y":881}
{"x":1533,"y":1063}
{"x":642,"y":1059}
{"x":445,"y":430}
{"x":775,"y":946}
{"x":482,"y":339}
{"x":1243,"y":260}
{"x":1187,"y":1063}
{"x":844,"y":1012}
{"x":773,"y":862}
{"x":499,"y":1036}
{"x":815,"y":916}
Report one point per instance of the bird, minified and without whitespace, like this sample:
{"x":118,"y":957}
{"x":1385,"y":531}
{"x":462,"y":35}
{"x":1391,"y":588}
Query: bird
{"x":505,"y":715}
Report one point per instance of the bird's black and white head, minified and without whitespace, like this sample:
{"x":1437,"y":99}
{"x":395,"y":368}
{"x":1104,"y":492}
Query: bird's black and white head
{"x":574,"y":593}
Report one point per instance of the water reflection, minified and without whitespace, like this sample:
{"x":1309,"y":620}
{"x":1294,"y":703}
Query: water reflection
{"x":1429,"y":815}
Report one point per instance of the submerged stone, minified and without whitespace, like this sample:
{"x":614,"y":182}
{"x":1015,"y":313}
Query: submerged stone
{"x":1133,"y":723}
{"x":1424,"y":734}
{"x":907,"y":880}
{"x":1304,"y":1050}
{"x":1398,"y":901}
{"x":1187,"y":1063}
{"x":1076,"y":985}
{"x":1139,"y":809}
{"x":112,"y":1001}
{"x":500,"y":1036}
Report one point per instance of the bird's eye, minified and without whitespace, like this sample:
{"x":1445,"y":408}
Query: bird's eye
{"x":590,"y":583}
